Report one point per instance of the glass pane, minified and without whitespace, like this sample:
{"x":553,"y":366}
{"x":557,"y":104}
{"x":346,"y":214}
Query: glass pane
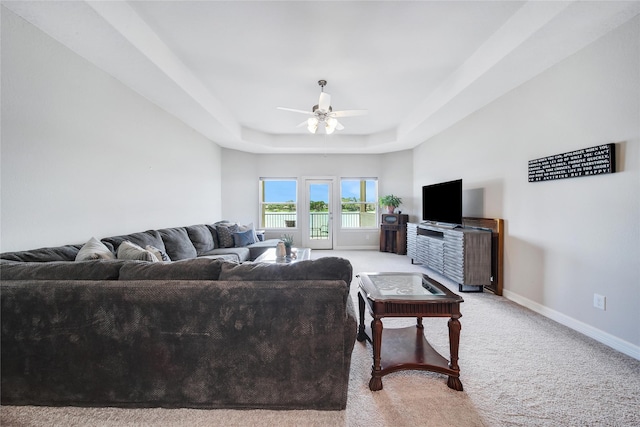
{"x":279,"y":191}
{"x":359,"y":203}
{"x":319,"y":211}
{"x":409,"y":285}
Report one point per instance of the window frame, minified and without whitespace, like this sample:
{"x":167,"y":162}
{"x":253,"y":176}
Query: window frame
{"x":262,"y":203}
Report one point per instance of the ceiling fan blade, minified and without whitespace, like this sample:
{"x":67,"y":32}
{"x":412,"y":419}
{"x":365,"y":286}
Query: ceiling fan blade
{"x":305,"y":123}
{"x":325,"y":101}
{"x":309,"y":113}
{"x":339,"y":126}
{"x":349,"y":113}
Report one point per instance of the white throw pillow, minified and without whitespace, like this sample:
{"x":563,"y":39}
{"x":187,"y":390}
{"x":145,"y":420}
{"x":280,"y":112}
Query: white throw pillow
{"x":94,"y":249}
{"x":128,"y":250}
{"x":162,"y":256}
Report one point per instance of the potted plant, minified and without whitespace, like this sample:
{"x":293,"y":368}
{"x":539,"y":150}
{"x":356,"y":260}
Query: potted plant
{"x":391,"y":202}
{"x":288,"y":242}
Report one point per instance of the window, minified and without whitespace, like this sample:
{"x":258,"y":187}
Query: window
{"x":359,"y":203}
{"x":278,"y":202}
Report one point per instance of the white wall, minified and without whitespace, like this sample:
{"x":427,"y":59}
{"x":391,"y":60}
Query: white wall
{"x":241,"y":172}
{"x":571,"y":238}
{"x":82,"y":155}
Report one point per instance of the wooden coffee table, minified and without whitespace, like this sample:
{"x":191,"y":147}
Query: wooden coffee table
{"x":408,"y":295}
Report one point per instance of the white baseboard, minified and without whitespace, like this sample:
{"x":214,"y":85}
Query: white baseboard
{"x":605,"y":338}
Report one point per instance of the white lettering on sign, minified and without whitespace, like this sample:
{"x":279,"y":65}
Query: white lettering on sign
{"x":588,"y":161}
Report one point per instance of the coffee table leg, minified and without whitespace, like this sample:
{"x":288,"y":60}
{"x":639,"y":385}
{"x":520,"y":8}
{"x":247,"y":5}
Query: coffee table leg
{"x":454,"y":342}
{"x":376,"y":379}
{"x":362,"y":335}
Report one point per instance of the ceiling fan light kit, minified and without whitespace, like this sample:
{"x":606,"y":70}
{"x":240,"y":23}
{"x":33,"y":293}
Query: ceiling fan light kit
{"x":322,"y":113}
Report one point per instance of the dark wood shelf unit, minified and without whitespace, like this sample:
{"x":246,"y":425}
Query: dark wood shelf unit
{"x":393,"y":233}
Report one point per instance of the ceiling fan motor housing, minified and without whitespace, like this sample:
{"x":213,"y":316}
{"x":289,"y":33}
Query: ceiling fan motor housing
{"x":315,"y":107}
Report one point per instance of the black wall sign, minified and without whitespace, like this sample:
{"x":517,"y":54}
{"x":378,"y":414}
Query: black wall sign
{"x":588,"y":161}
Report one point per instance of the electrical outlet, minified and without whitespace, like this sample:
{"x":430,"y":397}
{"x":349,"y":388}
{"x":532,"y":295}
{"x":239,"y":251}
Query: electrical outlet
{"x":599,"y":301}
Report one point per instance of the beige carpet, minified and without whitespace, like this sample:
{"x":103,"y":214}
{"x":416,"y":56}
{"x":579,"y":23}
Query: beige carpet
{"x":517,"y":367}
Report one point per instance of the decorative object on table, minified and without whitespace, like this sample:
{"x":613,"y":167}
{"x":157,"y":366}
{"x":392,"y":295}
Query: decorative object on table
{"x":287,"y":239}
{"x":391,"y":202}
{"x":281,"y":251}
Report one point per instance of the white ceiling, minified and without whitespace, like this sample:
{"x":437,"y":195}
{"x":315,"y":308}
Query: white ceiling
{"x":222,"y":67}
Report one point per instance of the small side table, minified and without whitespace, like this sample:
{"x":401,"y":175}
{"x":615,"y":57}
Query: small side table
{"x":408,"y":295}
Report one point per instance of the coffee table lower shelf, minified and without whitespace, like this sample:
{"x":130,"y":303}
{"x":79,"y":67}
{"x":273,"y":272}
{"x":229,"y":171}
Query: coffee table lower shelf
{"x":408,"y":349}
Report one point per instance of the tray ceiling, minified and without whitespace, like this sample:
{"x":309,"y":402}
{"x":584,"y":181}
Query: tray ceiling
{"x":222,"y":67}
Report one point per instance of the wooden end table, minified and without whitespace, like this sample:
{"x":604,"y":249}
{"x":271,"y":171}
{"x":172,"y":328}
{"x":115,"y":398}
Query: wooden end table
{"x":408,"y":295}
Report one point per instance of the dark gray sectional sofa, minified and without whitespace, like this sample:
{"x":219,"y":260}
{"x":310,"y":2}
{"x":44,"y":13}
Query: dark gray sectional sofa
{"x":199,"y":332}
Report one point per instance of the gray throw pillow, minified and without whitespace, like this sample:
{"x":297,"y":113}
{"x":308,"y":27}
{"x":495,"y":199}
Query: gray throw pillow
{"x":225,"y":235}
{"x":214,"y":234}
{"x":177,"y":243}
{"x":201,"y":237}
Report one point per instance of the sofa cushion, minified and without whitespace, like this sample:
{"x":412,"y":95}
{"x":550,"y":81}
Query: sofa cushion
{"x":142,"y":239}
{"x":241,"y":254}
{"x":59,"y":253}
{"x":225,"y":234}
{"x":188,"y":269}
{"x":222,"y":257}
{"x":177,"y":243}
{"x":128,"y":250}
{"x":201,"y":238}
{"x":61,"y":270}
{"x":327,"y":268}
{"x":94,"y":249}
{"x":243,"y":238}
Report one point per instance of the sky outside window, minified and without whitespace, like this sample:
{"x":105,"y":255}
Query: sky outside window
{"x":279,"y":191}
{"x":351,"y":188}
{"x":319,"y":193}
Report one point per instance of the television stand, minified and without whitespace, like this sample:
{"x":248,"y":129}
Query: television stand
{"x":462,"y":255}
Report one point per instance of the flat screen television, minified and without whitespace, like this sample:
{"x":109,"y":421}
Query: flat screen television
{"x":442,"y":203}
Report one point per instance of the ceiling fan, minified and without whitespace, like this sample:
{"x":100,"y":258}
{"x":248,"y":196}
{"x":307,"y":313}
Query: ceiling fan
{"x":322,"y":113}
